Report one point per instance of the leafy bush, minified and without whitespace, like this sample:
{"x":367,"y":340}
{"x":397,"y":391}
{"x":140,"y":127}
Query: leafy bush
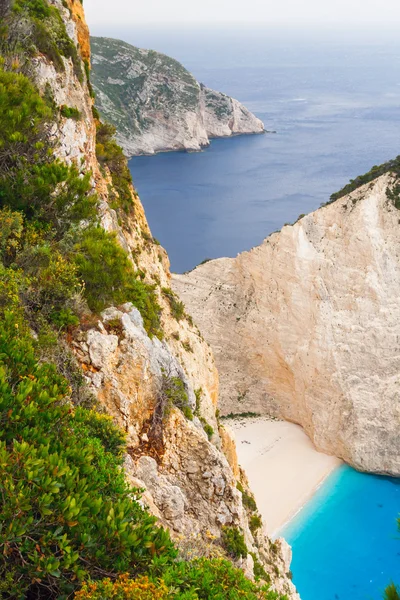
{"x":255,"y":523}
{"x":31,"y":180}
{"x":70,"y":112}
{"x":200,"y":579}
{"x":123,"y":589}
{"x":174,"y":391}
{"x":213,"y":578}
{"x":111,"y":155}
{"x":110,"y":279}
{"x":177,"y":307}
{"x":392,"y":592}
{"x":233,"y":542}
{"x":259,"y":571}
{"x":66,"y":511}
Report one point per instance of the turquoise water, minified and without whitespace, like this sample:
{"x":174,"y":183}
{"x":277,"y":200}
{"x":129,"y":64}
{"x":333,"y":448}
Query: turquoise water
{"x":345,"y":540}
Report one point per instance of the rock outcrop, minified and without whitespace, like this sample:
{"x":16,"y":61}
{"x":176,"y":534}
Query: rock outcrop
{"x":157,"y":105}
{"x":306,"y":326}
{"x":189,"y":483}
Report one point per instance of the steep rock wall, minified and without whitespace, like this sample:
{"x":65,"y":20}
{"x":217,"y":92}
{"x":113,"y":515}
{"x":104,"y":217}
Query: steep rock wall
{"x":306,"y":327}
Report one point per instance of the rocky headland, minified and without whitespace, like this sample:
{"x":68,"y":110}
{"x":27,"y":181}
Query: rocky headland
{"x":157,"y":105}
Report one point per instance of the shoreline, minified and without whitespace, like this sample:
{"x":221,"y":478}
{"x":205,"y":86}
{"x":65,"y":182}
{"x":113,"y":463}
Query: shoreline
{"x":282,"y":465}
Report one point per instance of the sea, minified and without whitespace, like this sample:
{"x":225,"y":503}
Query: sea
{"x":345,"y":541}
{"x":332,"y":99}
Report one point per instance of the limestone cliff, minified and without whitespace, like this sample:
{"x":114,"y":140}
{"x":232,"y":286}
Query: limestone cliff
{"x":157,"y":105}
{"x":306,"y":326}
{"x":175,"y":452}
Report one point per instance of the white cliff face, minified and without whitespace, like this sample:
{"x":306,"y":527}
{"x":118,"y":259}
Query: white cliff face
{"x":306,"y":326}
{"x":157,"y":105}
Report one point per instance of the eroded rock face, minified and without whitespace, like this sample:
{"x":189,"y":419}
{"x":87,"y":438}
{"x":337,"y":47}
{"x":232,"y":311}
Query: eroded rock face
{"x":157,"y":105}
{"x":306,"y":327}
{"x":192,"y":488}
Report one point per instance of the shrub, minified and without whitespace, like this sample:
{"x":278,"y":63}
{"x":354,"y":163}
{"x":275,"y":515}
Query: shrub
{"x":31,"y":179}
{"x":392,"y":592}
{"x":70,"y":112}
{"x":255,"y":523}
{"x":11,"y":228}
{"x":207,"y":428}
{"x":213,"y":578}
{"x":66,"y":511}
{"x":123,"y":589}
{"x":177,"y":307}
{"x":111,"y":155}
{"x":258,"y":570}
{"x":233,"y":542}
{"x":110,"y":279}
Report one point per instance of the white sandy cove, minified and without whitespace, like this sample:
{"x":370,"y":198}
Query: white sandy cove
{"x":282,"y":465}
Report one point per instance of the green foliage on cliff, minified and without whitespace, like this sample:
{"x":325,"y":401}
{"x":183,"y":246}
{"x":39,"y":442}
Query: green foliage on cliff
{"x":200,"y":579}
{"x":392,"y":166}
{"x":43,"y":202}
{"x":110,"y":154}
{"x":233,"y":542}
{"x":66,"y":511}
{"x":177,"y":307}
{"x":67,"y":514}
{"x":48,"y":34}
{"x":392,"y":592}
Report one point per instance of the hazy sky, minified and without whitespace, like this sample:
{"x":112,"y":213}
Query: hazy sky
{"x":284,"y":12}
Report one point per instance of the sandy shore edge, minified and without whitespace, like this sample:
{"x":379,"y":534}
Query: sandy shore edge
{"x":283,"y":467}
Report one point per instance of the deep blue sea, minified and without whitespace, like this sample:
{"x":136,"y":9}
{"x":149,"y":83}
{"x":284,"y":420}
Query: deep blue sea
{"x":345,"y":541}
{"x":334,"y":102}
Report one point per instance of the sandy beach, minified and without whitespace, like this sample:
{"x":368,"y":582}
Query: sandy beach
{"x":283,"y":467}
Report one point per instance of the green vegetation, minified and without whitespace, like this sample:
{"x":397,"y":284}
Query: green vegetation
{"x":177,"y":307}
{"x":67,"y":514}
{"x":110,"y":155}
{"x":174,"y":394}
{"x":42,"y":203}
{"x":233,"y":542}
{"x":244,"y":415}
{"x":392,"y":592}
{"x":48,"y":34}
{"x":392,"y":166}
{"x":200,"y":579}
{"x":66,"y":511}
{"x":260,"y":574}
{"x":70,"y":112}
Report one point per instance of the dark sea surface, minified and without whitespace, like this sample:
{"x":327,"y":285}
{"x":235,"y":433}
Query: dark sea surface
{"x":334,"y":104}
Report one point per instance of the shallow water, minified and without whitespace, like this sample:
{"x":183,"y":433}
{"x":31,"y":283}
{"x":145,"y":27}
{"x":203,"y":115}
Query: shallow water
{"x":335,"y":108}
{"x":345,"y":541}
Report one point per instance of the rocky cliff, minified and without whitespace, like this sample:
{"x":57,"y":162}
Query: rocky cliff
{"x":162,"y":390}
{"x":157,"y":105}
{"x":306,"y":326}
